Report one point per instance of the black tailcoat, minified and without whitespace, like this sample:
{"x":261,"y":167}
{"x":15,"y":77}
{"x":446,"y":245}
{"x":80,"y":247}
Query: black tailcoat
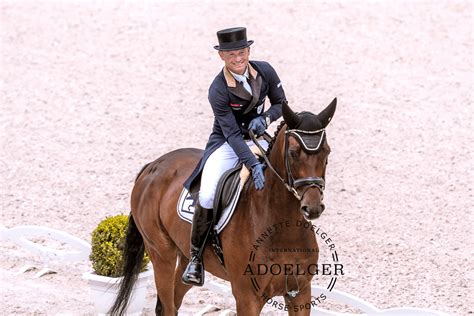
{"x":234,"y":108}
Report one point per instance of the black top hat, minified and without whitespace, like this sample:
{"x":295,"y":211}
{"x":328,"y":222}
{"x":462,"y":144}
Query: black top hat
{"x":232,"y":39}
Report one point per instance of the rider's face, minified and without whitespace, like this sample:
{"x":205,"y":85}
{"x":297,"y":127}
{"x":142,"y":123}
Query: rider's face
{"x":236,"y":60}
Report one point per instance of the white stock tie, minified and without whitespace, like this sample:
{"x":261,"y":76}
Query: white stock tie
{"x":247,"y":86}
{"x":243,"y":80}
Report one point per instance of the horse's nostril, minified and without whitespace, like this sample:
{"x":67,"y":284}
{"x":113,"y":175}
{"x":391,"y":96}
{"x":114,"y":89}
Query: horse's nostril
{"x":322,"y":207}
{"x":304,"y":209}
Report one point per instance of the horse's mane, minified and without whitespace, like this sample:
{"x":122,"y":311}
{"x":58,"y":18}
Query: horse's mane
{"x":273,"y":140}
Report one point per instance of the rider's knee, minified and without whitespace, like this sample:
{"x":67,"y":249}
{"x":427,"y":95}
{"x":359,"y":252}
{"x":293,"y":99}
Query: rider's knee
{"x":206,"y":200}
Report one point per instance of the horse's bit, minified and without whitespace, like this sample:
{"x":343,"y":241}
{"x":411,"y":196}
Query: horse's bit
{"x":291,"y":183}
{"x":292,"y":293}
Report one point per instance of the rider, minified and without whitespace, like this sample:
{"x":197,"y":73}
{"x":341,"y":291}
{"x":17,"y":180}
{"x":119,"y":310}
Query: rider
{"x":237,"y":96}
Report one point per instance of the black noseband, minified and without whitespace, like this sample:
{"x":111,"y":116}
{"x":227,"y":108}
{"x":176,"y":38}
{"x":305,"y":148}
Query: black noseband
{"x":312,"y":181}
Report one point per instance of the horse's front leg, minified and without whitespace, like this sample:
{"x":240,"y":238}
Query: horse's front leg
{"x":248,"y":305}
{"x":247,"y":300}
{"x":301,"y":304}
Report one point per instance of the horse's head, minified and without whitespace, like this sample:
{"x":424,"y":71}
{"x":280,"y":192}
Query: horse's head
{"x":306,"y":156}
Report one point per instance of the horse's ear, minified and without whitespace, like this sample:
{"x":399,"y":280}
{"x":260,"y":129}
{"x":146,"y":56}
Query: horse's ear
{"x":290,"y":117}
{"x":326,"y":115}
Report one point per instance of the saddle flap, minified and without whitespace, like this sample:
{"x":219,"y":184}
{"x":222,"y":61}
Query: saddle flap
{"x":227,"y":195}
{"x":226,"y":188}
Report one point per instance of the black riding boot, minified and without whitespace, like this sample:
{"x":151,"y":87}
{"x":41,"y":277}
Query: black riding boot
{"x":202,"y":222}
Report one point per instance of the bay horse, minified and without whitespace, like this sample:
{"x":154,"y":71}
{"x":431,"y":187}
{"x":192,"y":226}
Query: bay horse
{"x":263,"y":220}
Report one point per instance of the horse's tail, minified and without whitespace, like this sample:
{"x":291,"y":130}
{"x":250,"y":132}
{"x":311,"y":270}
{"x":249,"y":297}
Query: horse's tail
{"x":132,"y":263}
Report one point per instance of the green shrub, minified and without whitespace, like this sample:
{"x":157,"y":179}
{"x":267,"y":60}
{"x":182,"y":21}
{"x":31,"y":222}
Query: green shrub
{"x":108,"y":242}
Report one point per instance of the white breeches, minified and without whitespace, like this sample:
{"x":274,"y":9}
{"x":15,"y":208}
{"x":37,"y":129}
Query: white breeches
{"x":221,"y":160}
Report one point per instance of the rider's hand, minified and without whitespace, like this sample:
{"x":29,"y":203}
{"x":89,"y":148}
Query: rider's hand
{"x":258,"y":126}
{"x":258,"y":176}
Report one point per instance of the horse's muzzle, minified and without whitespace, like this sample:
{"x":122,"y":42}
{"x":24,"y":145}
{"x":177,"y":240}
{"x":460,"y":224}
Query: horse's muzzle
{"x":311,"y":212}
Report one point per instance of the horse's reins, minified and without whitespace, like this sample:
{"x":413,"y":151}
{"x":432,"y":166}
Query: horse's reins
{"x":293,"y":184}
{"x":267,"y":161}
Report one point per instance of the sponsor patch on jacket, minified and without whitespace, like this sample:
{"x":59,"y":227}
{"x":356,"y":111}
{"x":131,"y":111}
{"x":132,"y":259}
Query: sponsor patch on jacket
{"x":236,"y":105}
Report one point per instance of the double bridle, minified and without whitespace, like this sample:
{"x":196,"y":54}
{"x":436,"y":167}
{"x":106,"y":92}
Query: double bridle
{"x":291,"y":183}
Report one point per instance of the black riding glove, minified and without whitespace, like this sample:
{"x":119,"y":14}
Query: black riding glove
{"x":258,"y":125}
{"x":258,"y":176}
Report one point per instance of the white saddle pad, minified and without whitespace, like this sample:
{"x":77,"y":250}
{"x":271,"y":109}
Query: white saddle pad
{"x":186,"y":209}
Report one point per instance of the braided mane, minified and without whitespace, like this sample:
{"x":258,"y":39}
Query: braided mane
{"x":272,"y":141}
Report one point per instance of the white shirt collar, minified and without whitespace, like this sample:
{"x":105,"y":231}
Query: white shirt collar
{"x":241,"y":78}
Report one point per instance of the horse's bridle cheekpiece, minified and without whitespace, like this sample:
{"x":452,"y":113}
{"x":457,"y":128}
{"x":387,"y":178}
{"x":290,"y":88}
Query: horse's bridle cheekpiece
{"x":311,"y":142}
{"x":232,"y":39}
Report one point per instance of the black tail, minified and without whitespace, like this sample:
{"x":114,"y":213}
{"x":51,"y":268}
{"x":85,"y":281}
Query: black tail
{"x":132,"y":262}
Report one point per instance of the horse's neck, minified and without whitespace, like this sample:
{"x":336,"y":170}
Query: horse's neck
{"x":274,"y":218}
{"x":275,"y":205}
